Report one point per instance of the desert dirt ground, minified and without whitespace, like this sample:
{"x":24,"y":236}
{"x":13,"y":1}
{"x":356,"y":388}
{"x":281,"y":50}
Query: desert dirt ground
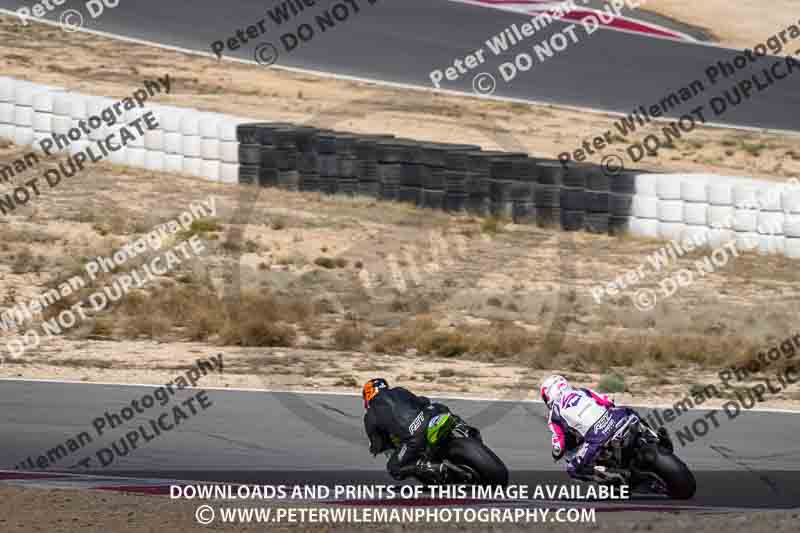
{"x":739,"y":24}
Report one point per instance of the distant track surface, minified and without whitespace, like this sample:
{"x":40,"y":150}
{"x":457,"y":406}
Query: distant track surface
{"x":269,"y":437}
{"x":402,"y":41}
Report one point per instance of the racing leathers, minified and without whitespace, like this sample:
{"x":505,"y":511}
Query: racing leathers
{"x":582,"y":420}
{"x":397,"y":418}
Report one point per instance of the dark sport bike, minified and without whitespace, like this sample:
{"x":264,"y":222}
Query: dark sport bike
{"x":644,"y":459}
{"x":460,"y":449}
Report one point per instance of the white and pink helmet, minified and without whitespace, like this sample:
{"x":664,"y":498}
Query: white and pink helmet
{"x":552,"y":389}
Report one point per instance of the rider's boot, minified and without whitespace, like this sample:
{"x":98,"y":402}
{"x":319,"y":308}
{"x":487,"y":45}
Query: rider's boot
{"x":430,"y":471}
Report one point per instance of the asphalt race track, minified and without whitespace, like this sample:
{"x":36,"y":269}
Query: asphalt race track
{"x":402,"y":41}
{"x":270,"y":437}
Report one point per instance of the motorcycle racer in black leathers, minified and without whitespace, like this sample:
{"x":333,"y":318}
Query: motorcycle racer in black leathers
{"x":397,"y":418}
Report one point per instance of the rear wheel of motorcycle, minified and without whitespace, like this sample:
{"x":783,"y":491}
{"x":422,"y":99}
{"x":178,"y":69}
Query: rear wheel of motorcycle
{"x":680,"y":481}
{"x":478,"y":457}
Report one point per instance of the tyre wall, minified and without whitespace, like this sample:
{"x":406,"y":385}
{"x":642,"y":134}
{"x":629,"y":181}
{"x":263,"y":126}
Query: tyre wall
{"x":756,"y":214}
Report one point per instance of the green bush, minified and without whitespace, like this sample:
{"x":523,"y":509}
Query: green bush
{"x":611,"y":383}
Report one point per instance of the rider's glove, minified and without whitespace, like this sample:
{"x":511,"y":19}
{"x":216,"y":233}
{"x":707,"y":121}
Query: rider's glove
{"x":558,"y":453}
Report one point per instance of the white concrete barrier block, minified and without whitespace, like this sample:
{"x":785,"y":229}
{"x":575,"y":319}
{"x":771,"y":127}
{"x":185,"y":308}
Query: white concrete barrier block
{"x":719,"y":192}
{"x":173,"y":142}
{"x":790,"y":200}
{"x":770,"y":222}
{"x":209,"y":148}
{"x":644,"y":227}
{"x":695,"y":213}
{"x":191,"y":146}
{"x":693,"y":189}
{"x":173,"y":163}
{"x":6,"y":113}
{"x":23,"y":116}
{"x":717,"y":238}
{"x":721,"y":216}
{"x":210,"y":169}
{"x":646,"y":184}
{"x":670,"y":231}
{"x":154,"y":160}
{"x":670,"y":210}
{"x":229,"y":151}
{"x":771,"y":244}
{"x":229,"y":172}
{"x":791,"y":248}
{"x":61,"y":124}
{"x":695,"y":237}
{"x":769,"y":197}
{"x":78,"y":146}
{"x":668,"y":186}
{"x":745,"y":196}
{"x":154,"y":140}
{"x":791,"y":225}
{"x":645,"y":206}
{"x":190,"y":123}
{"x":192,"y":166}
{"x":7,"y":87}
{"x":745,"y":220}
{"x":23,"y":135}
{"x":227,"y":128}
{"x":136,"y":156}
{"x":62,"y":104}
{"x":119,"y":157}
{"x":43,"y":121}
{"x":746,"y":240}
{"x":209,"y":126}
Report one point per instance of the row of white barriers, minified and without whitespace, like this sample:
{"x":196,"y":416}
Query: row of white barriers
{"x":702,"y":208}
{"x":710,"y":210}
{"x":186,"y":141}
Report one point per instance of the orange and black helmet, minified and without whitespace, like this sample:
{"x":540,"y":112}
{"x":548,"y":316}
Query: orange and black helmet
{"x":371,"y":389}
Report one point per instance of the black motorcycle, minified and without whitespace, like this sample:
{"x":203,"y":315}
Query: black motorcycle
{"x":460,"y":449}
{"x":644,"y":459}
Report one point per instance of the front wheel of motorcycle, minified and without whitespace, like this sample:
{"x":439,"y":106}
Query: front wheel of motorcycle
{"x":680,"y":481}
{"x":480,"y":459}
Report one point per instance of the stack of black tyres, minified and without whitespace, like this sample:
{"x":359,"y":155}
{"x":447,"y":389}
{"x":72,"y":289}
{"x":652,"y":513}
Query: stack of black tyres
{"x":432,"y":175}
{"x":328,"y":161}
{"x":573,"y":197}
{"x":368,"y":171}
{"x":547,"y":193}
{"x":307,"y":140}
{"x":254,"y":138}
{"x":478,"y":183}
{"x":401,"y":169}
{"x":390,"y":154}
{"x":597,"y":200}
{"x":525,"y":173}
{"x":286,"y":158}
{"x":348,"y":164}
{"x":501,"y":180}
{"x":457,"y":162}
{"x":622,"y":188}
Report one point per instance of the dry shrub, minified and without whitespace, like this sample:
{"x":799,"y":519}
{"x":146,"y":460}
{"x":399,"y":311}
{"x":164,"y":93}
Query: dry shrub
{"x":349,"y":336}
{"x":500,"y":339}
{"x":25,"y":262}
{"x":196,"y":312}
